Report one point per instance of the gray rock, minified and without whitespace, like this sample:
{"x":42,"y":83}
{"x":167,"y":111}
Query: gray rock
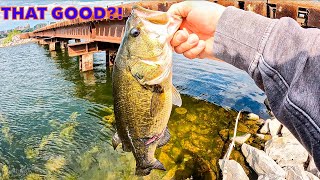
{"x":265,"y":177}
{"x":286,"y":151}
{"x":274,"y":127}
{"x":286,"y":133}
{"x":265,"y":127}
{"x":252,"y":116}
{"x":295,"y":173}
{"x":232,"y":170}
{"x":311,"y":176}
{"x":261,"y":162}
{"x":312,"y":168}
{"x":242,"y":139}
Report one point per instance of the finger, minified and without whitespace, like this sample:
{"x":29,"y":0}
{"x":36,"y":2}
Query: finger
{"x":192,"y":41}
{"x":179,"y":37}
{"x":194,"y":52}
{"x":180,"y":9}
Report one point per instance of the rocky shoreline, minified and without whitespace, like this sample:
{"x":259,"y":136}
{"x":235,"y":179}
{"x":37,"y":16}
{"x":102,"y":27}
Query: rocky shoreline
{"x":16,"y":40}
{"x":283,"y":157}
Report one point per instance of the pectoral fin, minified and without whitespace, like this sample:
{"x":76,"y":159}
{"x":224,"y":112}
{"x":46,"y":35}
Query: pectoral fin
{"x":165,"y":138}
{"x":176,"y":98}
{"x":115,"y":141}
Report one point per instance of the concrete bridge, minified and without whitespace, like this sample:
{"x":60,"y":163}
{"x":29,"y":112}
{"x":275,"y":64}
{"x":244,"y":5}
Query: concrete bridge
{"x":106,"y":34}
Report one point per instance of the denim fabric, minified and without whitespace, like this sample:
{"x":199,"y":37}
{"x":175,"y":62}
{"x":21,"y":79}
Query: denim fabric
{"x":284,"y":61}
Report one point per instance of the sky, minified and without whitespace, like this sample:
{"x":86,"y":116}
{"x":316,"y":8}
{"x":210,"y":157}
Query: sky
{"x":11,"y":24}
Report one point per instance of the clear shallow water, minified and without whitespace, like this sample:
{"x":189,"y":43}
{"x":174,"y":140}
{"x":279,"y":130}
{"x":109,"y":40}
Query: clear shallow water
{"x":56,"y":123}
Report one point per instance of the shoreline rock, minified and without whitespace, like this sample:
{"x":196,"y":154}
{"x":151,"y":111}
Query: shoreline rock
{"x":15,"y":42}
{"x":286,"y":151}
{"x":261,"y":162}
{"x":233,"y":170}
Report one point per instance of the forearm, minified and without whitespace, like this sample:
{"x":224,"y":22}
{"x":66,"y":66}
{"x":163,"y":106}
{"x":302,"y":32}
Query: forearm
{"x":284,"y":61}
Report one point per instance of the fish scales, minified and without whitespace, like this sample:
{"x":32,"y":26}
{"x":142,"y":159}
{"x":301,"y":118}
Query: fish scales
{"x":142,"y":86}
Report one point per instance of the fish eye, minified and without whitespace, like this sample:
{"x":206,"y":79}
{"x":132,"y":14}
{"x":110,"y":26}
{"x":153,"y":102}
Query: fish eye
{"x":134,"y":32}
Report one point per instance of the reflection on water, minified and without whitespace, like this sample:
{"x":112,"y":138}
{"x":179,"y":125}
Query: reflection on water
{"x":57,"y":123}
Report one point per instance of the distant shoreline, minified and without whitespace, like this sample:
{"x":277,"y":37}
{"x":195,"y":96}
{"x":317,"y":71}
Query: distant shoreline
{"x":15,"y":42}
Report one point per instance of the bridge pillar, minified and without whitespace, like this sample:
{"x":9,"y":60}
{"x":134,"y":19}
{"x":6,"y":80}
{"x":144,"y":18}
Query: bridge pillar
{"x":52,"y":46}
{"x":86,"y":62}
{"x":110,"y":57}
{"x":63,"y":44}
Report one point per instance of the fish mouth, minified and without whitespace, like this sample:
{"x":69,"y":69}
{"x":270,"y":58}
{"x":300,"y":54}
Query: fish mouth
{"x":156,"y":17}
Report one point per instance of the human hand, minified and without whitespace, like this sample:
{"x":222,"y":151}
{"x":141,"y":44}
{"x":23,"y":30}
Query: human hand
{"x":195,"y":37}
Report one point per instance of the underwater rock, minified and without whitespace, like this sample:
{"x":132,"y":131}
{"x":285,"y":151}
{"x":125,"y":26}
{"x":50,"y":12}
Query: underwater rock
{"x":242,"y":139}
{"x":188,"y":145}
{"x":232,"y":170}
{"x":224,"y":134}
{"x":191,"y":117}
{"x":261,"y":162}
{"x":242,"y":128}
{"x":286,"y":151}
{"x":181,"y":110}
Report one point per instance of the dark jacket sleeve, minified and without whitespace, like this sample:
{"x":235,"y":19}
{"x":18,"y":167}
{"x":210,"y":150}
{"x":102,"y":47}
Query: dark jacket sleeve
{"x":284,"y":61}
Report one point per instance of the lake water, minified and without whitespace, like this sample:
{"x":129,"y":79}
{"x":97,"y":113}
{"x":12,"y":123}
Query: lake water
{"x":56,"y":123}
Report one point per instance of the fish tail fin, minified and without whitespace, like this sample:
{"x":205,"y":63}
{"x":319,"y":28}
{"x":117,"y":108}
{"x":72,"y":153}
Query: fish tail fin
{"x":144,"y":171}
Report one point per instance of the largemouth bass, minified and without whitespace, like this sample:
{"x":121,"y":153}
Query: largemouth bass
{"x":142,"y":86}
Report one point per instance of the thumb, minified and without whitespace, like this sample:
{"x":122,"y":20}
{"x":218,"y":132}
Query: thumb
{"x":181,"y":9}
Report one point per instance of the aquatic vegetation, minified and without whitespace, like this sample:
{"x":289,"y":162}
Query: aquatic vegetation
{"x":68,"y":132}
{"x":31,"y":153}
{"x":55,"y":163}
{"x":34,"y":176}
{"x":5,"y":172}
{"x":87,"y":159}
{"x":6,"y":132}
{"x":109,"y":119}
{"x":108,"y":110}
{"x":45,"y":140}
{"x":74,"y":116}
{"x":70,"y":177}
{"x":68,"y":128}
{"x":55,"y":123}
{"x":181,"y":110}
{"x":5,"y":129}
